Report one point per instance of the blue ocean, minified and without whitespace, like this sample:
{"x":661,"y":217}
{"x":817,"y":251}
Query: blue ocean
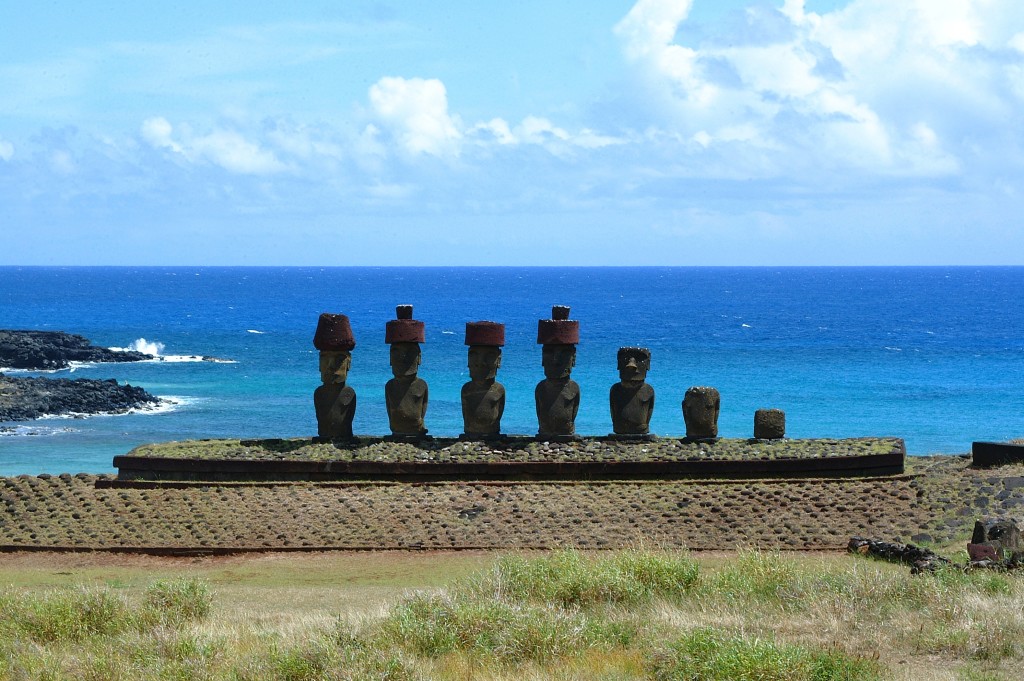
{"x":933,"y":355}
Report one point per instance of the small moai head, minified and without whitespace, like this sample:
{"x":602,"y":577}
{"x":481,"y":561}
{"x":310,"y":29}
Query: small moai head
{"x":485,"y":340}
{"x":559,"y":336}
{"x":769,"y":424}
{"x":634,"y":363}
{"x":404,"y":334}
{"x":701,"y":405}
{"x":335,"y":341}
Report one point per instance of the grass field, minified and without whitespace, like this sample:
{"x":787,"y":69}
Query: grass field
{"x":630,"y":614}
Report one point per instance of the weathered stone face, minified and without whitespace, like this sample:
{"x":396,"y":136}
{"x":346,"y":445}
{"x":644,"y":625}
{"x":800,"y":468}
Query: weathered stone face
{"x":769,"y":424}
{"x":334,"y":367}
{"x":701,"y":405}
{"x":558,"y":361}
{"x":405,"y":359}
{"x":634,"y":363}
{"x":484,"y":362}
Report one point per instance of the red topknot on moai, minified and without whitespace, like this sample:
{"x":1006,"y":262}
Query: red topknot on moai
{"x":557,"y":396}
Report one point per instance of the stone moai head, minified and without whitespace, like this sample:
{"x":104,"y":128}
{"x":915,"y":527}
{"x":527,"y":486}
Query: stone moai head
{"x":769,"y":424}
{"x":701,"y":405}
{"x":634,"y":363}
{"x":559,"y":336}
{"x":485,"y":340}
{"x":334,"y":340}
{"x":404,"y":334}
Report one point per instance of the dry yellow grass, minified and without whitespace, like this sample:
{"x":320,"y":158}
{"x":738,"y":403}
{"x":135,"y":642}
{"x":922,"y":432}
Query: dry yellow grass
{"x":281,"y":615}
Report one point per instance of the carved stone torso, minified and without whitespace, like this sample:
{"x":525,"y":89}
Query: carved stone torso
{"x":631,"y":408}
{"x":407,"y":405}
{"x":483,"y":403}
{"x":335,"y":408}
{"x":558,"y":400}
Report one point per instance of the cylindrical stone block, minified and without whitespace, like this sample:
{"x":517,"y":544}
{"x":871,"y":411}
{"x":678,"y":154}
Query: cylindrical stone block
{"x":769,"y":424}
{"x":333,"y":333}
{"x":485,"y":333}
{"x":559,"y":330}
{"x":404,"y":329}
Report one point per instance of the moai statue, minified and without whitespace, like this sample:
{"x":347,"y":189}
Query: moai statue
{"x":769,"y":424}
{"x":335,"y":402}
{"x":557,"y":396}
{"x":632,"y":399}
{"x":483,"y":399}
{"x":406,"y":394}
{"x":700,"y":411}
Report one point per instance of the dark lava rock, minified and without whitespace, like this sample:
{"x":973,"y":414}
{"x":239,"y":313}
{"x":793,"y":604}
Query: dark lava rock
{"x":38,"y":350}
{"x":24,"y":399}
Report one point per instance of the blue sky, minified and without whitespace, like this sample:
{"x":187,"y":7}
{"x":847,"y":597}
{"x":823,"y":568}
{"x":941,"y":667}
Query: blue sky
{"x":739,"y":132}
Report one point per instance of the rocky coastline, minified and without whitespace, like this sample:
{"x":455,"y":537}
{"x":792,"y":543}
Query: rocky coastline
{"x":52,"y":350}
{"x":28,"y":398}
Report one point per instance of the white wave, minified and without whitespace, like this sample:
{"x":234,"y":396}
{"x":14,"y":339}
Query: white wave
{"x":33,"y":431}
{"x":746,"y":326}
{"x":144,"y":346}
{"x":172,"y":359}
{"x":169,"y":403}
{"x":448,"y":333}
{"x":166,"y":405}
{"x":255,"y":331}
{"x":892,"y":348}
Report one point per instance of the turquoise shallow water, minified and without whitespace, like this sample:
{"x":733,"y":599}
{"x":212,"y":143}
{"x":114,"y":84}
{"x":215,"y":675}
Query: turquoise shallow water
{"x":933,"y":355}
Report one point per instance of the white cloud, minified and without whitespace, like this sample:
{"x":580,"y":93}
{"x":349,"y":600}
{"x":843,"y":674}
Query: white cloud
{"x":228,"y":149}
{"x":415,"y":110}
{"x":855,"y":87}
{"x":157,"y":131}
{"x":496,"y":130}
{"x":233,"y":152}
{"x":6,"y":150}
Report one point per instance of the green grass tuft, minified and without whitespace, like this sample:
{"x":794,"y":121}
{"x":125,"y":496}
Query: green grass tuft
{"x":568,"y":578}
{"x":706,"y":654}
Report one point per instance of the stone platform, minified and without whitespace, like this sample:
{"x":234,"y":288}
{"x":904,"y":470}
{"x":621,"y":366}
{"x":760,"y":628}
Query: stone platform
{"x":936,"y":499}
{"x":512,"y":458}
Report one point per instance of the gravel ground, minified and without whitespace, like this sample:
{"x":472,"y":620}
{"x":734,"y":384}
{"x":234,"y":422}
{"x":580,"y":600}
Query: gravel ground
{"x":937,"y":501}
